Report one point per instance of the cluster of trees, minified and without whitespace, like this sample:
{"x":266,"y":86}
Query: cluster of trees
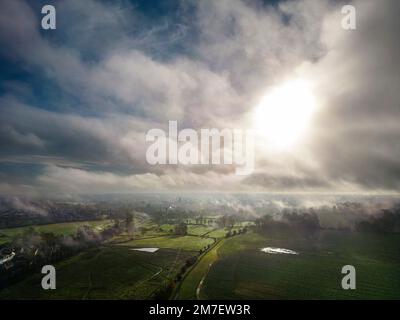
{"x":204,"y":249}
{"x":386,"y":222}
{"x":189,"y":262}
{"x":204,"y":220}
{"x":290,"y":220}
{"x":226,"y":221}
{"x":232,"y":233}
{"x":167,"y":214}
{"x":181,"y":229}
{"x":129,"y":222}
{"x":165,"y":291}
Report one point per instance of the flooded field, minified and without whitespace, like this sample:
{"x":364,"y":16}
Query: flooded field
{"x":305,"y":266}
{"x":151,"y":250}
{"x":278,"y":250}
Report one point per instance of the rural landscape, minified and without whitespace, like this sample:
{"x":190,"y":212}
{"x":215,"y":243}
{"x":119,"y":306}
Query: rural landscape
{"x":199,"y":150}
{"x":182,"y":248}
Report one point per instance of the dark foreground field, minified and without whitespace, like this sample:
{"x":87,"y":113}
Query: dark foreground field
{"x":110,"y":272}
{"x":242,"y":271}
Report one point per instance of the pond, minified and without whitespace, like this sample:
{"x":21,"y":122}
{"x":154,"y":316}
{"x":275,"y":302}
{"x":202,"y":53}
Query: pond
{"x":151,"y":250}
{"x":278,"y":250}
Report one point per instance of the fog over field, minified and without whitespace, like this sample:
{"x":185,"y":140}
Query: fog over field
{"x":332,"y":211}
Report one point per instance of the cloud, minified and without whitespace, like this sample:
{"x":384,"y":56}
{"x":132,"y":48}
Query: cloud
{"x":115,"y":73}
{"x":357,"y":128}
{"x":77,"y":181}
{"x":24,"y":205}
{"x":21,"y":139}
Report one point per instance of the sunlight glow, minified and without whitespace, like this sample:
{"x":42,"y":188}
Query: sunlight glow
{"x":284,"y":114}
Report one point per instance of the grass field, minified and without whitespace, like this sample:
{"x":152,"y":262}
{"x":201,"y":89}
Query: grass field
{"x":146,"y":229}
{"x":190,"y":243}
{"x":242,"y":271}
{"x":111,"y":272}
{"x":66,"y":228}
{"x":167,"y":228}
{"x":198,"y":230}
{"x":218,"y":233}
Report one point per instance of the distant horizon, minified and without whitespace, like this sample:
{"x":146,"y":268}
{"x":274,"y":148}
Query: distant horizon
{"x":74,"y":197}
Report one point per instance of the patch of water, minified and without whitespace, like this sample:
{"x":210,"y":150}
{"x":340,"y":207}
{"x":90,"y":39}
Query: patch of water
{"x":151,"y":250}
{"x":278,"y":250}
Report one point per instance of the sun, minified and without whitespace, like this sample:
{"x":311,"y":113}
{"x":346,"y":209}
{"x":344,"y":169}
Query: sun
{"x":284,"y":114}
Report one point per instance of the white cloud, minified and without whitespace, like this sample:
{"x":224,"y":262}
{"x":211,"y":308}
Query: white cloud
{"x":239,"y":49}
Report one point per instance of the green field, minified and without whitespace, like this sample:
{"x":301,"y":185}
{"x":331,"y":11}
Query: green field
{"x":150,"y":230}
{"x":242,"y":271}
{"x":198,"y":230}
{"x":232,"y":268}
{"x":111,"y":272}
{"x":220,"y":233}
{"x":166,"y":228}
{"x":190,"y":243}
{"x":66,"y":228}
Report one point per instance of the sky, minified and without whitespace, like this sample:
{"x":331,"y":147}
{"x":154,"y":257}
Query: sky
{"x":76,"y":102}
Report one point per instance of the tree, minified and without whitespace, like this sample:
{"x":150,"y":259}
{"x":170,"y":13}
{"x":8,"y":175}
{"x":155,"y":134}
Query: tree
{"x":129,"y":223}
{"x":181,"y":229}
{"x":226,"y":221}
